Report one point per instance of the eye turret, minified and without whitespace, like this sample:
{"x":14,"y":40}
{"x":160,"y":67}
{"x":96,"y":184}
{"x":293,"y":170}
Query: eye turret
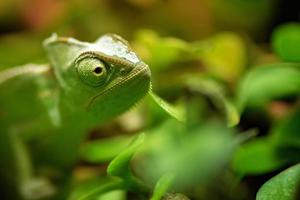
{"x":92,"y":71}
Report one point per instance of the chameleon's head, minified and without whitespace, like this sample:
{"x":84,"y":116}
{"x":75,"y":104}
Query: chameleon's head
{"x":105,"y":77}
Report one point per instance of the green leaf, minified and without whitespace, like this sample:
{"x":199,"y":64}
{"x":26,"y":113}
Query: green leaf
{"x":159,"y":52}
{"x":232,"y":115}
{"x":265,"y":83}
{"x":170,"y":109}
{"x":217,"y":95}
{"x":286,"y":42}
{"x":224,"y":55}
{"x":103,"y":150}
{"x":284,"y":186}
{"x":116,"y":194}
{"x":119,"y":166}
{"x":162,"y":186}
{"x":102,"y":189}
{"x":256,"y":157}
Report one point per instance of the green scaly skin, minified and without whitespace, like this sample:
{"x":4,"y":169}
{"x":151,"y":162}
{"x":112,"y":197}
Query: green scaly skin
{"x":85,"y":85}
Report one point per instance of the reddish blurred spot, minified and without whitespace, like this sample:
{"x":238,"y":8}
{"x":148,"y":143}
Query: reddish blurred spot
{"x":278,"y":109}
{"x":82,"y":173}
{"x":39,"y":14}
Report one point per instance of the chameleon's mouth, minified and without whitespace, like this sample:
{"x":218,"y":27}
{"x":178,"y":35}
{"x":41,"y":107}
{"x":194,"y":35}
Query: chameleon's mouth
{"x":139,"y":71}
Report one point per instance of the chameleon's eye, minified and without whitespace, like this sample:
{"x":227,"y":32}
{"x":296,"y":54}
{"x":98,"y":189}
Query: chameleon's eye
{"x":92,"y":71}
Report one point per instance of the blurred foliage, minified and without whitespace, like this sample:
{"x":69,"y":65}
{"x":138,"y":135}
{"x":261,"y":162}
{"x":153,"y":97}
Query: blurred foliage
{"x":286,"y":42}
{"x":215,"y":61}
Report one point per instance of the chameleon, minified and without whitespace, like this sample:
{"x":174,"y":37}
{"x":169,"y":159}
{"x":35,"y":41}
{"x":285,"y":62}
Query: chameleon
{"x":53,"y":106}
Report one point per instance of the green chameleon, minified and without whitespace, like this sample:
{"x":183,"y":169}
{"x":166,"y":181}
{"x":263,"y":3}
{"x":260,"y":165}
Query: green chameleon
{"x":52,"y":107}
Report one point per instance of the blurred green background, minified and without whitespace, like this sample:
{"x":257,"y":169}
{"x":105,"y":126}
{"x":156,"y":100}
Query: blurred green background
{"x":218,"y":60}
{"x":23,"y":21}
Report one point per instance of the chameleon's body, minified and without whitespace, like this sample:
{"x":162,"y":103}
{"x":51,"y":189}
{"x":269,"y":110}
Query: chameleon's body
{"x":84,"y":85}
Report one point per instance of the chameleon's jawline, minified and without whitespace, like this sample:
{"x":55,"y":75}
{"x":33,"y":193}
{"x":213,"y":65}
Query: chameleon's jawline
{"x":134,"y":73}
